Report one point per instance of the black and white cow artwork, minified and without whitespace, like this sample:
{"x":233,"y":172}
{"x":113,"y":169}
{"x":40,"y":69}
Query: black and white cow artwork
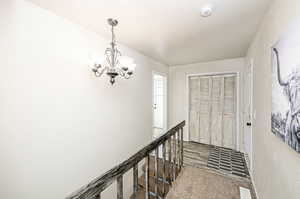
{"x":285,"y":117}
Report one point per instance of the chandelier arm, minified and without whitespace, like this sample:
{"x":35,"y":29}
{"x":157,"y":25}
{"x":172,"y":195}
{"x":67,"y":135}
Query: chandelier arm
{"x":107,"y":51}
{"x":107,"y":58}
{"x":117,"y":55}
{"x":127,"y":76}
{"x":99,"y":73}
{"x":120,"y":54}
{"x":121,"y":72}
{"x":122,"y":66}
{"x":116,"y":59}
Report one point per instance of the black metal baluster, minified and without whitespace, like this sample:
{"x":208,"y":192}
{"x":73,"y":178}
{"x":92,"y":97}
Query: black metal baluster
{"x":135,"y":181}
{"x":174,"y":158}
{"x":164,"y":169}
{"x":181,"y":139}
{"x":120,"y":187}
{"x":170,"y":160}
{"x":178,"y":151}
{"x":147,"y":162}
{"x":156,"y":173}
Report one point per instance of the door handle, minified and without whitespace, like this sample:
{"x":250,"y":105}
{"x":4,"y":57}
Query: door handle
{"x":248,"y":124}
{"x":154,"y":106}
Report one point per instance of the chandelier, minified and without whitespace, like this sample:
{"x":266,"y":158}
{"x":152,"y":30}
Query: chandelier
{"x":113,"y":63}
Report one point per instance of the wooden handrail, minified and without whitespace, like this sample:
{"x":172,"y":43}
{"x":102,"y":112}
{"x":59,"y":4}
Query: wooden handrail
{"x":95,"y":187}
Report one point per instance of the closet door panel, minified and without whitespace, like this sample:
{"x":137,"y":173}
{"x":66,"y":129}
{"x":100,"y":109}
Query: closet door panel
{"x":228,"y":139}
{"x":205,"y":109}
{"x":229,"y":115}
{"x":216,"y":129}
{"x":194,"y":126}
{"x":194,"y":107}
{"x":212,"y":113}
{"x":217,"y":110}
{"x":204,"y":129}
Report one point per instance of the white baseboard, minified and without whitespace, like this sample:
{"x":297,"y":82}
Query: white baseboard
{"x":251,"y":175}
{"x":254,"y":187}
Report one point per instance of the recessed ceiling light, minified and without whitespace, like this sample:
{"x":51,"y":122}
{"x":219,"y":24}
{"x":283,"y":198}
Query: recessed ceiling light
{"x":206,"y":10}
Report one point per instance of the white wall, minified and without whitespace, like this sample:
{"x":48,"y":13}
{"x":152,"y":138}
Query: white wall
{"x":178,"y":91}
{"x":60,"y":126}
{"x":276,"y":167}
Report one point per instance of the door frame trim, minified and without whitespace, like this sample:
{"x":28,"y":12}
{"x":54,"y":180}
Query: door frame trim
{"x":165,"y":100}
{"x":237,"y":74}
{"x":250,"y":68}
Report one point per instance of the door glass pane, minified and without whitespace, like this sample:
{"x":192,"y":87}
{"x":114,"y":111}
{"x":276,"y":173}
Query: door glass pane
{"x":158,"y":84}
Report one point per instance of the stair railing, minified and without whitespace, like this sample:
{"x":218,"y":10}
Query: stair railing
{"x":174,"y":157}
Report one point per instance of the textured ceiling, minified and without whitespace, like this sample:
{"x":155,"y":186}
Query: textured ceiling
{"x":170,"y":31}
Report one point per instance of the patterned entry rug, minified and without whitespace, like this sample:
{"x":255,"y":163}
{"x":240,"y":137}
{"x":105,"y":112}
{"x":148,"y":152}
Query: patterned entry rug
{"x":221,"y":159}
{"x":228,"y":161}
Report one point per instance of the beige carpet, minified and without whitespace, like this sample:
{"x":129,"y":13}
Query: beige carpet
{"x":197,"y":183}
